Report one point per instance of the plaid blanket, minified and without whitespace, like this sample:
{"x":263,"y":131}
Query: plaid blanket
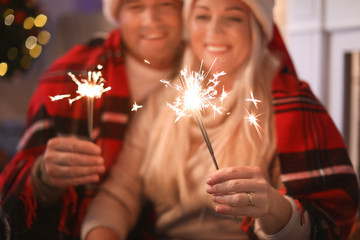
{"x":22,"y":217}
{"x":315,"y":166}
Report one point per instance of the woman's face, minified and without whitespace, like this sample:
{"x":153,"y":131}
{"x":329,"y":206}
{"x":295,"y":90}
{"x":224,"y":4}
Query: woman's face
{"x":220,"y":29}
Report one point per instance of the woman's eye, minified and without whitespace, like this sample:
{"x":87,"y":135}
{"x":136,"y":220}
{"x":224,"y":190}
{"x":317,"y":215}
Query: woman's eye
{"x":235,"y":19}
{"x":202,"y":17}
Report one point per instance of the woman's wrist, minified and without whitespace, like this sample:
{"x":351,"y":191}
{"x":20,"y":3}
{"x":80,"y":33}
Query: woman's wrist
{"x":278,"y":216}
{"x":297,"y":228}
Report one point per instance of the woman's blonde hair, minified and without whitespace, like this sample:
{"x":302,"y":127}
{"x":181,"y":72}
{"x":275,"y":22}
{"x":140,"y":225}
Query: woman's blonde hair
{"x":169,"y":146}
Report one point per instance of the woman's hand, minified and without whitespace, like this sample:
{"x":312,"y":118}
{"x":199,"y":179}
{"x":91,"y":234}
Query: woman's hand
{"x":243,"y":191}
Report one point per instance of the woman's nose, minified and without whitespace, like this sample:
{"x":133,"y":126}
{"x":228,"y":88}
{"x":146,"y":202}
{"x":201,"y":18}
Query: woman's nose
{"x":215,"y":26}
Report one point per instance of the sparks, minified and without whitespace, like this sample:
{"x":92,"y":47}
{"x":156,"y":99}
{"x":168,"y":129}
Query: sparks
{"x":136,"y":107}
{"x":193,"y":96}
{"x":146,"y":61}
{"x":223,"y":95}
{"x":59,"y":97}
{"x":252,"y":118}
{"x":253,"y":100}
{"x":194,"y":99}
{"x":91,"y":88}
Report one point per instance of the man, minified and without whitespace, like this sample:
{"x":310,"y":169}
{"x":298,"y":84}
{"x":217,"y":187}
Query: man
{"x":46,"y":188}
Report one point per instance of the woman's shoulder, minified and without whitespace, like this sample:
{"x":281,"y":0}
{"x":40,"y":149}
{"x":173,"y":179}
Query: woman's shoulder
{"x":286,"y":82}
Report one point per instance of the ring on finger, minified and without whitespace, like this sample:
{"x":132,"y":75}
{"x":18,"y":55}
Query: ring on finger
{"x":250,"y":199}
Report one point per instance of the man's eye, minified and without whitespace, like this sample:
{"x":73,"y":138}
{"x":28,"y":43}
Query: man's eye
{"x":166,"y":3}
{"x":133,"y":6}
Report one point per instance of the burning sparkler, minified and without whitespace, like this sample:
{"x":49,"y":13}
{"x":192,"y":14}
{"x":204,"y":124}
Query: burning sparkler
{"x":91,"y":88}
{"x":195,"y":98}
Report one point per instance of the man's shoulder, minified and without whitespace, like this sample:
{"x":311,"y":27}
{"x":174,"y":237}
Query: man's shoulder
{"x":84,"y":56}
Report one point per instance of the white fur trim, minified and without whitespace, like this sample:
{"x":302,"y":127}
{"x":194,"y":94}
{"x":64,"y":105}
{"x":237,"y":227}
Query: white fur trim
{"x":110,"y":8}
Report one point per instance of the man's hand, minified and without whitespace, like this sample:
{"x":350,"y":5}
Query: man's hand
{"x":70,"y":162}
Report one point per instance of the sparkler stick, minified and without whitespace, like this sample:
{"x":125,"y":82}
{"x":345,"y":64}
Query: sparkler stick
{"x":90,"y":112}
{"x":206,"y":137}
{"x":195,"y":98}
{"x":91,"y":88}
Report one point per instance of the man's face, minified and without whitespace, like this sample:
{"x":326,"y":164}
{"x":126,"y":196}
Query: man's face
{"x":151,"y":30}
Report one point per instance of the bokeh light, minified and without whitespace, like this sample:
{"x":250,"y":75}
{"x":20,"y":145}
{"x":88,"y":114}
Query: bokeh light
{"x":31,"y":42}
{"x":12,"y":53}
{"x":44,"y":37}
{"x":3,"y":68}
{"x":40,"y":20}
{"x":29,"y":23}
{"x":36,"y":51}
{"x":9,"y":19}
{"x":26,"y":62}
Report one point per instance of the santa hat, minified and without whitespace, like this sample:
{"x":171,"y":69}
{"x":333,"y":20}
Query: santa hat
{"x":110,"y":10}
{"x":262,"y":10}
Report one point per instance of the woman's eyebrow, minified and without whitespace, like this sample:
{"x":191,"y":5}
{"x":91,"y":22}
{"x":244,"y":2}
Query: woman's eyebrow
{"x":235,"y":8}
{"x":202,"y":7}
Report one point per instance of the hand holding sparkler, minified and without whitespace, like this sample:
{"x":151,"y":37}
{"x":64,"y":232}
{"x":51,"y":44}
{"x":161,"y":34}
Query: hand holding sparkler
{"x":86,"y":165}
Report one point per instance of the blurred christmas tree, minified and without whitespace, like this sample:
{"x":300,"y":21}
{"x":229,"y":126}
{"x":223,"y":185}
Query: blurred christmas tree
{"x":21,"y":35}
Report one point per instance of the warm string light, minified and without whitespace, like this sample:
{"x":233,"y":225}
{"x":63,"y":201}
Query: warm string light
{"x":21,"y":19}
{"x":91,"y":87}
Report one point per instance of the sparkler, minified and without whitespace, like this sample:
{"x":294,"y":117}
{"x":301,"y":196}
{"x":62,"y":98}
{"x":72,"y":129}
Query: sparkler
{"x":91,"y":88}
{"x":195,"y":99}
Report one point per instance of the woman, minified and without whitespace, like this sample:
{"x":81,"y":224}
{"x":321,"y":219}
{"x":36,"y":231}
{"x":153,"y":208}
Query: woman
{"x":282,"y":184}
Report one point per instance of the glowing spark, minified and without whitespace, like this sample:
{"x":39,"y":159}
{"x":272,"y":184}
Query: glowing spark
{"x":253,"y":100}
{"x":194,"y":99}
{"x":252,"y":118}
{"x":193,"y":96}
{"x":92,"y":88}
{"x":136,"y":107}
{"x":223,"y":95}
{"x":59,"y":97}
{"x":167,"y":83}
{"x":146,"y":61}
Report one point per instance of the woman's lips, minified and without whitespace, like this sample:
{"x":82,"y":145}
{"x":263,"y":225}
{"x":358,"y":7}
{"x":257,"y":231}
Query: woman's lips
{"x":217,"y":48}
